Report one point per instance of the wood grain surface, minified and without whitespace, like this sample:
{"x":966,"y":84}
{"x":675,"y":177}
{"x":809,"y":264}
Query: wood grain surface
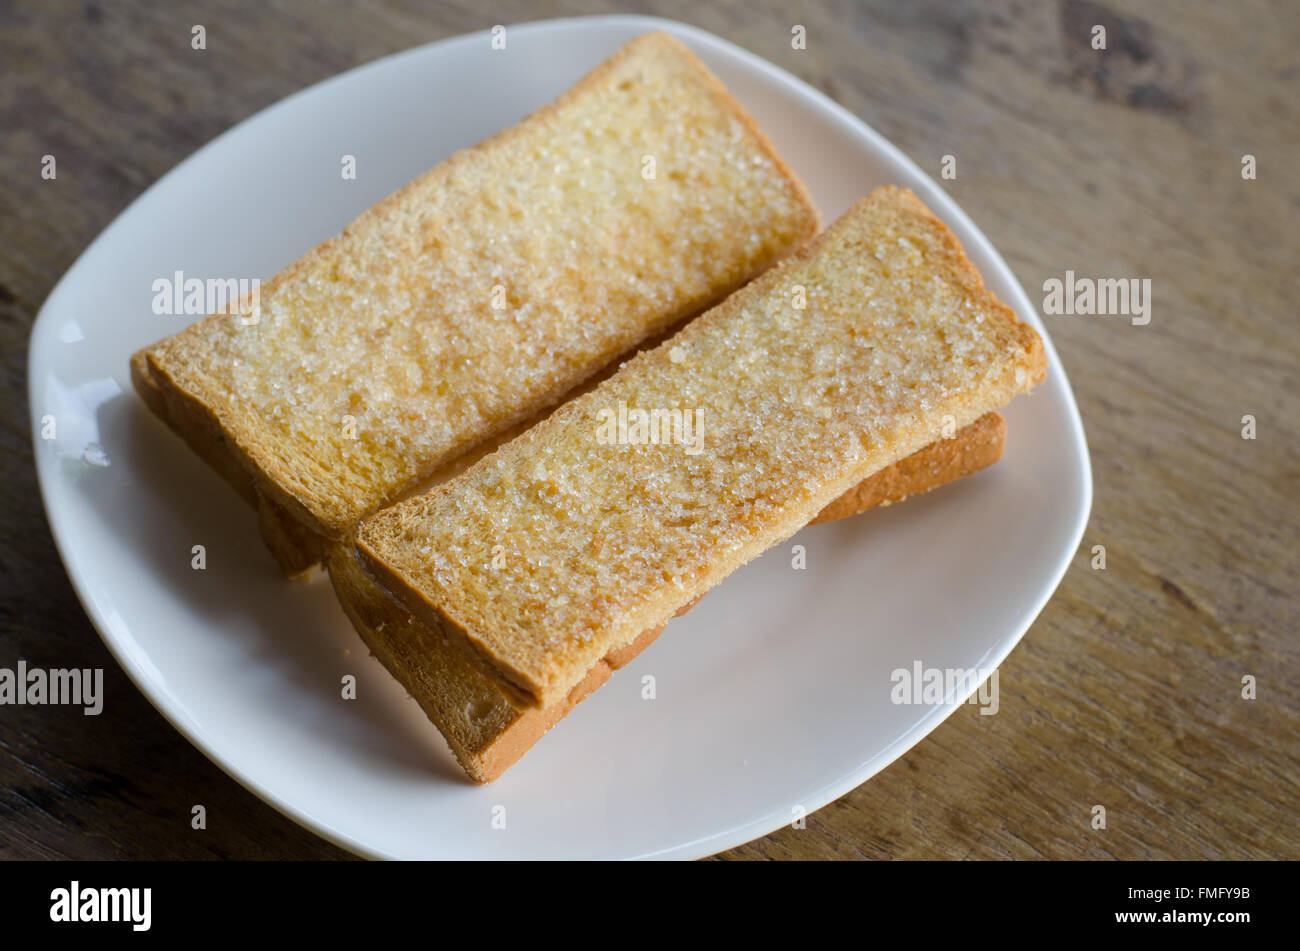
{"x":1127,"y":162}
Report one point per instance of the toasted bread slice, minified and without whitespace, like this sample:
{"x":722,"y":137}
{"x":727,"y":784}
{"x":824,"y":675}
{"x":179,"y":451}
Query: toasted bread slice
{"x":486,"y":729}
{"x":569,"y":542}
{"x":480,"y":294}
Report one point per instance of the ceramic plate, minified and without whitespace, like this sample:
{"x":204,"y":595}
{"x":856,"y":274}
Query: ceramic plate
{"x":772,"y":697}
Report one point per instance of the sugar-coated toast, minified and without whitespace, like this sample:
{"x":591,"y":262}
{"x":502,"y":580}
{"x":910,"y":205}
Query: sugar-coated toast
{"x":479,"y":294}
{"x":563,"y":546}
{"x":482,"y":722}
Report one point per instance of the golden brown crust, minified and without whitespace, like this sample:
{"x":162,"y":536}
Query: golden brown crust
{"x":297,"y":549}
{"x":969,"y":449}
{"x":518,"y":738}
{"x":197,"y":430}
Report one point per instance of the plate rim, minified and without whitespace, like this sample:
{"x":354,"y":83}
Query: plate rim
{"x":930,"y":193}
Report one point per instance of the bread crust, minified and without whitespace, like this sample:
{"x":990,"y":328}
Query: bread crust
{"x":970,"y":449}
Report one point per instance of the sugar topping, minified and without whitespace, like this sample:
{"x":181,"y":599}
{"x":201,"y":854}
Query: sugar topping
{"x":797,"y":405}
{"x":509,"y":277}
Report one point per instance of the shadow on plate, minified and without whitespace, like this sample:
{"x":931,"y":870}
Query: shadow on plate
{"x":295,"y":628}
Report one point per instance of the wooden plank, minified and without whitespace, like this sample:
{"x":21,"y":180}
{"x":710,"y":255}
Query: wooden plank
{"x":1117,"y":163}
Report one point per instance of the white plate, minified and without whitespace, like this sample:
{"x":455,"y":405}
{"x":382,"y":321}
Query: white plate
{"x":772,"y":694}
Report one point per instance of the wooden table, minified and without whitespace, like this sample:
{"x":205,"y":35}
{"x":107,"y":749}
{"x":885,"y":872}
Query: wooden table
{"x":1127,"y":162}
